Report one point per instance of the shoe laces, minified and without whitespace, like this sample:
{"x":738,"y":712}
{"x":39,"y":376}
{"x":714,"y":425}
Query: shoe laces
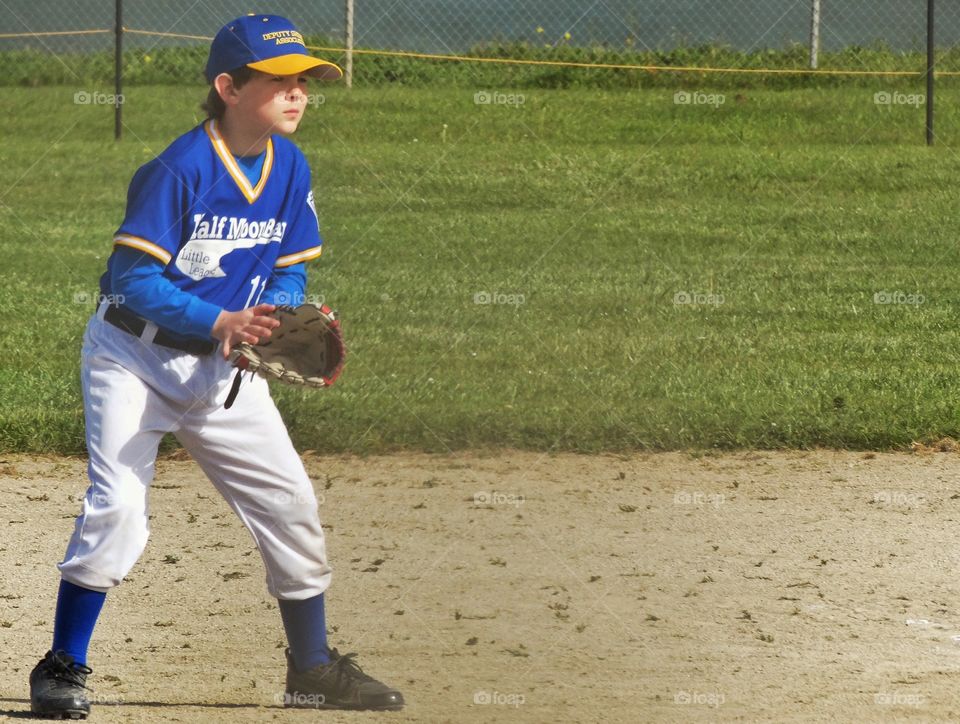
{"x":347,"y":666}
{"x":62,"y":667}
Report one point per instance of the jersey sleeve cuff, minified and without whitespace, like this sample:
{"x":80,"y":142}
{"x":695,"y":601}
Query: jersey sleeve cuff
{"x":136,"y":242}
{"x":300,"y":256}
{"x":199,"y":318}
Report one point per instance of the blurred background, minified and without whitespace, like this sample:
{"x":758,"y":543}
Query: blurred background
{"x":163,"y":41}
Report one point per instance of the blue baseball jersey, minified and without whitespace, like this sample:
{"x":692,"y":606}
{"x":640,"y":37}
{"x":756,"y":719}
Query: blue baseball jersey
{"x":218,"y":234}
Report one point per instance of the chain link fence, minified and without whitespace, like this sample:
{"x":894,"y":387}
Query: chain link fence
{"x":563,"y":42}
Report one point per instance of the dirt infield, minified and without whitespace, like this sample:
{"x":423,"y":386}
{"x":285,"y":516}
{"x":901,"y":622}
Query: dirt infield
{"x":464,"y":581}
{"x":522,"y":587}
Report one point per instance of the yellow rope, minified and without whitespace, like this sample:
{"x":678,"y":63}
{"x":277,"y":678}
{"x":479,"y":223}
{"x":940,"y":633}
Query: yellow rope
{"x":616,"y":66}
{"x":167,"y":35}
{"x":549,"y":63}
{"x":572,"y":64}
{"x":54,"y":32}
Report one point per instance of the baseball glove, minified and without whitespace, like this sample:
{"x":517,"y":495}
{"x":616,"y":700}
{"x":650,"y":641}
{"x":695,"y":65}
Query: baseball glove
{"x":306,"y":349}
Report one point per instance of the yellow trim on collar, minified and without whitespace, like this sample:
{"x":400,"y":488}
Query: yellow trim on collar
{"x":135,"y":242}
{"x":252,"y":193}
{"x":306,"y":255}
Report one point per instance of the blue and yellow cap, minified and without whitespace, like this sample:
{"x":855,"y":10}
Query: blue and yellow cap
{"x":268,"y":43}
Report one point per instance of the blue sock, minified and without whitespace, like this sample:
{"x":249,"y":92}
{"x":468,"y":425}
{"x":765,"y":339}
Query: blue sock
{"x":77,"y":611}
{"x":306,"y":627}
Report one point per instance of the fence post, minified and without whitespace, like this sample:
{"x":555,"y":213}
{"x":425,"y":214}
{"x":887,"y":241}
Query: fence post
{"x":931,"y":59}
{"x":348,"y":42}
{"x":814,"y":34}
{"x":118,"y":72}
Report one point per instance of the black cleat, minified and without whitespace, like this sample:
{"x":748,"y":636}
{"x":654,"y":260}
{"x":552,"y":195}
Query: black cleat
{"x":341,"y":684}
{"x":58,"y":687}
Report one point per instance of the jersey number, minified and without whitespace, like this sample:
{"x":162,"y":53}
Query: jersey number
{"x":254,"y":283}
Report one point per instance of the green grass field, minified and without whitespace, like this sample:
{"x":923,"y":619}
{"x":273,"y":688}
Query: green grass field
{"x":588,"y":219}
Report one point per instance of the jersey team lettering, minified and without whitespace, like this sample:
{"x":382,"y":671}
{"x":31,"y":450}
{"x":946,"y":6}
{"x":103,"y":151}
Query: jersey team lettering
{"x":212,"y":239}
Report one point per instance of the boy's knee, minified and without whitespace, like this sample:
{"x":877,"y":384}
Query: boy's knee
{"x":124,"y":501}
{"x":110,"y":535}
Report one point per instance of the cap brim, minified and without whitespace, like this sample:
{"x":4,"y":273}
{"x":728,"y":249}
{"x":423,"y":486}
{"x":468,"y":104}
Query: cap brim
{"x":296,"y":63}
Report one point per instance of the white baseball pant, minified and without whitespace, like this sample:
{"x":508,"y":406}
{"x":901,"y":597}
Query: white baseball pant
{"x":134,"y":393}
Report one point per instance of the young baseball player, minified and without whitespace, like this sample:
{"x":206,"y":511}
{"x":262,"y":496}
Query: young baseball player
{"x":217,"y":227}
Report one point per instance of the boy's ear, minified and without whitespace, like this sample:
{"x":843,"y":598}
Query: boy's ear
{"x":225,"y":88}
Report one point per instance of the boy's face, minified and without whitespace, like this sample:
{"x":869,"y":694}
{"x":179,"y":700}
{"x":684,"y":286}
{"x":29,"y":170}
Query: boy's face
{"x":272,"y":103}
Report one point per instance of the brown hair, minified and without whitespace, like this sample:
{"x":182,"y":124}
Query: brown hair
{"x":214,"y":106}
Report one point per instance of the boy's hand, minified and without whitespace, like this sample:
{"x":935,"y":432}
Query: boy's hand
{"x":248,"y":325}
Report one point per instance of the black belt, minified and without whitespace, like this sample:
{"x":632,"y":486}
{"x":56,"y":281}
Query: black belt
{"x":129,"y":322}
